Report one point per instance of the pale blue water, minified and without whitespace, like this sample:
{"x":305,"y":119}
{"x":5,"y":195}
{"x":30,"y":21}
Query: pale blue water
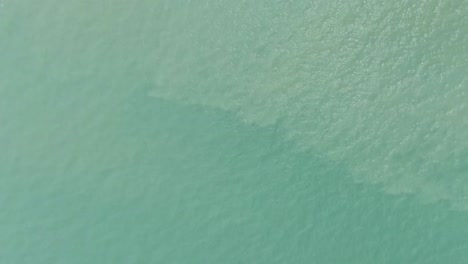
{"x":233,"y":131}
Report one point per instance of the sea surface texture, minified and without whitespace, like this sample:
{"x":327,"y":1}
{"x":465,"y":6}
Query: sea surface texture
{"x":221,"y":131}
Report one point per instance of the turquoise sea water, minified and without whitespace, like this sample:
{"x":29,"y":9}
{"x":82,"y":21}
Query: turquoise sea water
{"x":218,"y":131}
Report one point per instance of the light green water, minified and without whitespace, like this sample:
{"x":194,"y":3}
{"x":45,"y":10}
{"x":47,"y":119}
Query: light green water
{"x":218,"y":131}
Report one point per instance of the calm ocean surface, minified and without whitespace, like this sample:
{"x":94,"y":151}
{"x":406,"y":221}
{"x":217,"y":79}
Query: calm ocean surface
{"x":220,"y":131}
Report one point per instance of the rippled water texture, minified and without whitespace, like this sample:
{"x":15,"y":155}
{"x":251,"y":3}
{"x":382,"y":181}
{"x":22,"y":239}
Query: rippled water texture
{"x":380,"y":87}
{"x":219,"y":131}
